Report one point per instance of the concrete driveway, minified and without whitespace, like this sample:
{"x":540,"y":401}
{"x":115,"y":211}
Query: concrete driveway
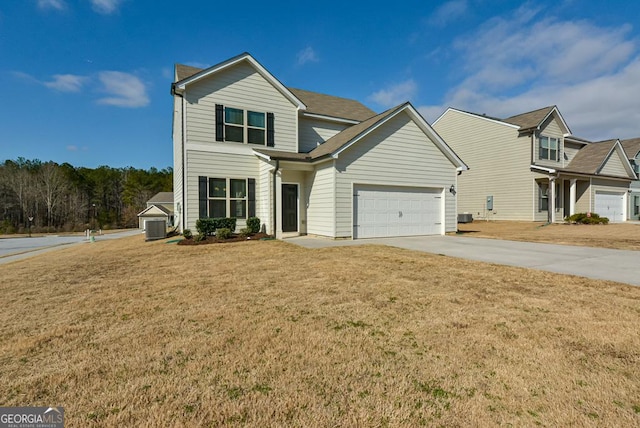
{"x":19,"y":248}
{"x":598,"y":263}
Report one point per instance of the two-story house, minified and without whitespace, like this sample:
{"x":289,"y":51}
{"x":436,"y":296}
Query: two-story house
{"x":305,"y":163}
{"x":530,"y":167}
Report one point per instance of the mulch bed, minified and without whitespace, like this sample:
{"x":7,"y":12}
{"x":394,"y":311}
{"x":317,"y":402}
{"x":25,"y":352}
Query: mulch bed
{"x":234,"y":238}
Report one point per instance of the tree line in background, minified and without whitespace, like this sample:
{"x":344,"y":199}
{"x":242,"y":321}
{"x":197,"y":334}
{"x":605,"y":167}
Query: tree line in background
{"x":50,"y":197}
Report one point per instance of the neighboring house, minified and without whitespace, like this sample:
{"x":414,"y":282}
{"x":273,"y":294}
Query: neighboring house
{"x":303,"y":162}
{"x":632,"y":149}
{"x":530,"y":167}
{"x":159,"y":207}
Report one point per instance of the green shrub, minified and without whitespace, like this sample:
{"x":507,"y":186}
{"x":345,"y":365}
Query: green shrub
{"x":187,"y":234}
{"x":244,"y":232}
{"x":223,"y":233}
{"x":200,"y":237}
{"x":253,"y":224}
{"x":584,"y":218}
{"x":208,"y":226}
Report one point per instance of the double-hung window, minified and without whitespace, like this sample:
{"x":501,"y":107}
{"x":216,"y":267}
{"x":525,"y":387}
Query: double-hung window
{"x":244,"y":126}
{"x":543,"y":196}
{"x":227,"y":197}
{"x":548,"y":148}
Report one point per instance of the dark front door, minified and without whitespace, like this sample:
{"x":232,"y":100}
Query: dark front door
{"x":289,"y":207}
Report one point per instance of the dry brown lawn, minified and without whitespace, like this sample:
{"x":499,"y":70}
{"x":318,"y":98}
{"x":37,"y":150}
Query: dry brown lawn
{"x":621,"y":236}
{"x":127,"y":333}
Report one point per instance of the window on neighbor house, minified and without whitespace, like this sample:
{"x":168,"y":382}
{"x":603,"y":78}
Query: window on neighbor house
{"x":548,"y":148}
{"x":543,"y":196}
{"x":226,"y":197}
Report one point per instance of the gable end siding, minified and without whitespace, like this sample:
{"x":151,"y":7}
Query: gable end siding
{"x":313,"y":131}
{"x":396,"y":154}
{"x":499,"y":166}
{"x":244,"y":88}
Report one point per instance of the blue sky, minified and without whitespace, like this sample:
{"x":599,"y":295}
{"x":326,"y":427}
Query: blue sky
{"x":87,"y":81}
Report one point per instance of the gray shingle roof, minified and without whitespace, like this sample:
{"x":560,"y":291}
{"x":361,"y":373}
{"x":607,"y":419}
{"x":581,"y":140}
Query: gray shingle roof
{"x":590,"y":158}
{"x":530,"y":119}
{"x":321,"y":104}
{"x":334,"y":143}
{"x":161,"y":198}
{"x":184,"y":71}
{"x":329,"y":105}
{"x":631,"y":147}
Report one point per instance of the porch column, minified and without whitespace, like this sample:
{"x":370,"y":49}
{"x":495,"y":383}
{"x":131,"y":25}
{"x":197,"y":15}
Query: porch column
{"x":572,"y":196}
{"x":552,"y":199}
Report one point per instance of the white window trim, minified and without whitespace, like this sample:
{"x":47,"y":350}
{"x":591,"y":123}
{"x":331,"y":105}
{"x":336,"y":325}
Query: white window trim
{"x":245,"y":126}
{"x":228,"y":198}
{"x":549,"y":149}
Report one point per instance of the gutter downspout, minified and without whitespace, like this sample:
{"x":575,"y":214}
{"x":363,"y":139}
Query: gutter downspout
{"x":182,"y":212}
{"x":275,"y":197}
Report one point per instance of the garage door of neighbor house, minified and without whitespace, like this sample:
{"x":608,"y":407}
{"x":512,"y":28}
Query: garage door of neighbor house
{"x":385,"y":211}
{"x":610,"y":205}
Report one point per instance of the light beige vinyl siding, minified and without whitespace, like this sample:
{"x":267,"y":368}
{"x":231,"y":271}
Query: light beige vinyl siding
{"x":177,"y":162}
{"x":499,"y":166}
{"x":570,"y":150}
{"x":240,"y":87}
{"x":264,"y":198}
{"x":217,"y":165}
{"x":313,"y":131}
{"x":583,"y":196}
{"x":320,"y":196}
{"x":396,"y":154}
{"x":551,"y":128}
{"x":614,"y":166}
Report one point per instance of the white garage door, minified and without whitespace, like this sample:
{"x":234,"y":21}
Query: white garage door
{"x":610,"y":205}
{"x":383,"y":211}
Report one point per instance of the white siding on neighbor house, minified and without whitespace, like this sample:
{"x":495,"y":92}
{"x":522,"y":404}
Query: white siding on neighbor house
{"x":240,"y":87}
{"x":550,"y":128}
{"x":216,"y":165}
{"x":614,"y":166}
{"x":396,"y":154}
{"x":320,"y":199}
{"x":313,"y":131}
{"x":177,"y":161}
{"x":499,"y":166}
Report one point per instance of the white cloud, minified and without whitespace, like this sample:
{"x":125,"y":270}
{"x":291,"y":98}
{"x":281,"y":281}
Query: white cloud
{"x":307,"y":55}
{"x":66,"y":83}
{"x":52,"y":4}
{"x":105,"y":7}
{"x":395,"y":94}
{"x":125,"y":90}
{"x":448,"y":12}
{"x":524,"y":61}
{"x":72,"y":148}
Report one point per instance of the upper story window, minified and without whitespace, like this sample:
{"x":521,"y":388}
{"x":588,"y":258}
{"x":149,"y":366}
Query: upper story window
{"x":244,"y":126}
{"x":548,"y":148}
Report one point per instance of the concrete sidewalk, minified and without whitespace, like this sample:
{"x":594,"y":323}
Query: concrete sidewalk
{"x":598,"y":263}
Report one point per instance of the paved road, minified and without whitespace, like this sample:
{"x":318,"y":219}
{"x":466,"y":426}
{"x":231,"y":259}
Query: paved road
{"x":19,"y":248}
{"x":599,"y":263}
